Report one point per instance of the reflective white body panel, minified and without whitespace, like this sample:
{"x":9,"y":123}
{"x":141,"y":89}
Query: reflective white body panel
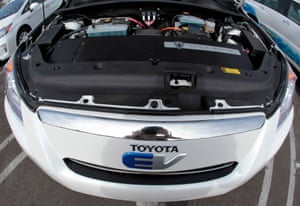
{"x":48,"y":145}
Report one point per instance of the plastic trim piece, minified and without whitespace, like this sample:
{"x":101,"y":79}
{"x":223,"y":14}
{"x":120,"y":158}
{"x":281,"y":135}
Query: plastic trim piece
{"x":199,"y":175}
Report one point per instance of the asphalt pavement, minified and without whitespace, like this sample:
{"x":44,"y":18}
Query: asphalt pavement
{"x":22,"y":183}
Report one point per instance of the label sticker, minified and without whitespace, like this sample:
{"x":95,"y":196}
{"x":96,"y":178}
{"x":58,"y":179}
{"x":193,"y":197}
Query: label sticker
{"x":228,"y":70}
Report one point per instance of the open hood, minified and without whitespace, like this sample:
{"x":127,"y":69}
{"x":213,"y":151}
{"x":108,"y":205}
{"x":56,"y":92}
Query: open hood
{"x":219,"y":5}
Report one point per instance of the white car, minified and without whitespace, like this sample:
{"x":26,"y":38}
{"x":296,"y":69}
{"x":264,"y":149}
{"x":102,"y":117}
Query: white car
{"x":281,"y":18}
{"x":18,"y":18}
{"x":150,"y":100}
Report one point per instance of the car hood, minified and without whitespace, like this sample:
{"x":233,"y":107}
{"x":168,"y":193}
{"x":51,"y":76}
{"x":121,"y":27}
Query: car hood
{"x":7,"y":20}
{"x":231,"y":4}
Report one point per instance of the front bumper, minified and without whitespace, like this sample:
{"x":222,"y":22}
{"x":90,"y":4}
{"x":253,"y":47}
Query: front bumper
{"x":51,"y":147}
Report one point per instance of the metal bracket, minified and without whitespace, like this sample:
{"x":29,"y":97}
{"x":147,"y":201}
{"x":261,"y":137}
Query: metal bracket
{"x":221,"y":104}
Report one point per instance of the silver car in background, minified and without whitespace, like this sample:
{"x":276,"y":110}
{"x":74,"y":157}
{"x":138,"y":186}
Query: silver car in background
{"x":18,"y":18}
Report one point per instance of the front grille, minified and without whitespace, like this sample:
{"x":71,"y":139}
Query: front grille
{"x":168,"y":178}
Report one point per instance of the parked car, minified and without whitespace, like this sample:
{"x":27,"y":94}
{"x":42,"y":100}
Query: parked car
{"x":150,"y":100}
{"x":18,"y":18}
{"x":281,"y":18}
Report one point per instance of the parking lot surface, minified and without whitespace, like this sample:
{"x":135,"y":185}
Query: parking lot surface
{"x":23,"y":183}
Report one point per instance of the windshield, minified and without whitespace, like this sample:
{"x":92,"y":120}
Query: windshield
{"x":294,"y":12}
{"x":10,"y":8}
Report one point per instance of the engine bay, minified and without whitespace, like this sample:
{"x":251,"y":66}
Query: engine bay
{"x":186,"y":30}
{"x":177,"y":59}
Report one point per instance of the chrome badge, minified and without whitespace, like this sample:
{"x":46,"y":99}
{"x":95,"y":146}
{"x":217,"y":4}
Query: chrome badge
{"x":142,"y":157}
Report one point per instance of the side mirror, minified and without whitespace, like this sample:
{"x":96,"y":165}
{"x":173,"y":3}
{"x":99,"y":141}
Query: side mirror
{"x":33,"y":6}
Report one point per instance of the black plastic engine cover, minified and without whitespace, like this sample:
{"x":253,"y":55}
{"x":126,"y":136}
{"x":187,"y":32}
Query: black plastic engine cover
{"x":122,"y":71}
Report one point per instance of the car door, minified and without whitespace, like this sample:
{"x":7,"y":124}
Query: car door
{"x":292,"y":28}
{"x":291,"y":31}
{"x":259,"y":10}
{"x":271,"y":13}
{"x":280,"y":19}
{"x":51,"y":6}
{"x":35,"y":16}
{"x":282,"y":22}
{"x":32,"y":17}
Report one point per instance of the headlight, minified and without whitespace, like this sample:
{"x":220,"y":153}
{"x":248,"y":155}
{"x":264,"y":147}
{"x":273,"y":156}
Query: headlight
{"x":5,"y":30}
{"x":12,"y":94}
{"x":287,"y":101}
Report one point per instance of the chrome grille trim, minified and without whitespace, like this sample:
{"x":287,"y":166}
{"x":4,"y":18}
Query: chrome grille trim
{"x":186,"y":127}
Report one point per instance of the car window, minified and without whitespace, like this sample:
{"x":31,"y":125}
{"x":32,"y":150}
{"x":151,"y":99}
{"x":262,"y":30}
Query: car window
{"x":26,"y":8}
{"x":274,"y":4}
{"x":10,"y":8}
{"x":294,"y":12}
{"x":278,"y":5}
